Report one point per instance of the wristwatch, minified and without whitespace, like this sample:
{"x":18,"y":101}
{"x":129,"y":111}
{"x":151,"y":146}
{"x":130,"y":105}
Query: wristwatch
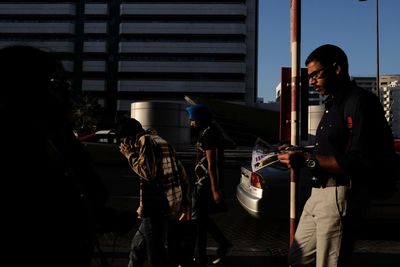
{"x":312,"y":163}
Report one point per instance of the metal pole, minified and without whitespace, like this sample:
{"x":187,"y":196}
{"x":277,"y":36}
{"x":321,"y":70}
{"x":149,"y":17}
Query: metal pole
{"x":377,"y":51}
{"x":295,"y":11}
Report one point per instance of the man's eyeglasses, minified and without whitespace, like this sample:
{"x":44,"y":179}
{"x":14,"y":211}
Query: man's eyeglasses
{"x":315,"y":74}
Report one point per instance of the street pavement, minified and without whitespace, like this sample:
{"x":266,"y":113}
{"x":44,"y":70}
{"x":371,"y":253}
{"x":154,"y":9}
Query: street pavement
{"x":256,"y":242}
{"x":260,"y":244}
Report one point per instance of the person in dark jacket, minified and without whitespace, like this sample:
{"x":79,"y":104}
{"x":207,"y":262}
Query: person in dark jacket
{"x":55,"y":202}
{"x":347,"y":151}
{"x":208,"y":194}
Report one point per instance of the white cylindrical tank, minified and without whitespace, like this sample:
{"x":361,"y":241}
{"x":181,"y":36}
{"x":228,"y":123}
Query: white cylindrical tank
{"x":170,"y":119}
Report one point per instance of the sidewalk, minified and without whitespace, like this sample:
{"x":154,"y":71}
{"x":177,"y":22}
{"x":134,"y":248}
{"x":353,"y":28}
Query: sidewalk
{"x":368,"y":253}
{"x":264,"y":243}
{"x":236,"y":260}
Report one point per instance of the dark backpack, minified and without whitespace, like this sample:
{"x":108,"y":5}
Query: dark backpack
{"x":384,"y":184}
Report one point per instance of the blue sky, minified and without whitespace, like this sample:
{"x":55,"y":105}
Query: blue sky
{"x":349,"y":24}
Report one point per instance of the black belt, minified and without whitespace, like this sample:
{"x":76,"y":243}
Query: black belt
{"x":330,"y":182}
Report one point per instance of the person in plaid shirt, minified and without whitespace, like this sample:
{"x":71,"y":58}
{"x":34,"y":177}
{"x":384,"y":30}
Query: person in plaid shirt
{"x":163,"y":197}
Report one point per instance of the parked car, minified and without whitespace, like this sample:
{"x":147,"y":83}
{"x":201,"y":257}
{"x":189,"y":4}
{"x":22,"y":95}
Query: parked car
{"x":264,"y":192}
{"x":103,"y":136}
{"x":103,"y":146}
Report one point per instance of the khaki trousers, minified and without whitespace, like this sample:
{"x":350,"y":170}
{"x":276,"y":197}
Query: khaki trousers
{"x":319,"y":235}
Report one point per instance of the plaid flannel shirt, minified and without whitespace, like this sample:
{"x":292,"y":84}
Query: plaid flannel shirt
{"x":163,"y":176}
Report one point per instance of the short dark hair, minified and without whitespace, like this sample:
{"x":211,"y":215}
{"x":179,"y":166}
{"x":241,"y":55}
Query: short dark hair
{"x":328,"y":54}
{"x":129,"y":128}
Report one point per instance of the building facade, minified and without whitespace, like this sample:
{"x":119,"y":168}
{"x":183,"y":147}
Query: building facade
{"x":389,"y":93}
{"x":391,"y":105}
{"x":126,"y":51}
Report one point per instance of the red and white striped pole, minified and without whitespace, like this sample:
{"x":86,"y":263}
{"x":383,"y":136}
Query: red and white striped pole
{"x":295,"y":19}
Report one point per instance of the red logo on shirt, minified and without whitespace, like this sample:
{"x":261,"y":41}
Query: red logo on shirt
{"x":349,"y":121}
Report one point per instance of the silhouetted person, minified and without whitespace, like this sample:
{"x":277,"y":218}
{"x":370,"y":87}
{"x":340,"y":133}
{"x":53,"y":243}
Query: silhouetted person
{"x":54,"y":201}
{"x":208,"y":194}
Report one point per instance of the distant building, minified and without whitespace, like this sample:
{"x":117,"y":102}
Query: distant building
{"x":314,"y":98}
{"x":386,"y":80}
{"x":125,"y":51}
{"x":369,"y":82}
{"x":389,"y":96}
{"x":391,"y":105}
{"x":278,"y":91}
{"x":366,"y":82}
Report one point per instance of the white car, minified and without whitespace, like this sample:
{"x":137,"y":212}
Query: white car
{"x":264,"y":192}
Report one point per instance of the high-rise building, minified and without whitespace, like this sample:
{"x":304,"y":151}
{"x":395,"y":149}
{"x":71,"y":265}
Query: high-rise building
{"x":391,"y":105}
{"x":124,"y":51}
{"x":366,"y":82}
{"x":389,"y":93}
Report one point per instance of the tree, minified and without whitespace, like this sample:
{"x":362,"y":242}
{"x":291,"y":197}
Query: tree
{"x":87,"y":113}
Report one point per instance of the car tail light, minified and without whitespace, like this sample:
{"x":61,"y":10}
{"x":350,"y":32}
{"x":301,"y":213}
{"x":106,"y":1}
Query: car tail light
{"x":256,"y":180}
